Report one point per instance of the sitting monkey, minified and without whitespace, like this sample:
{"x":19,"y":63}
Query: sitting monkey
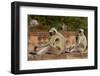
{"x":81,"y":42}
{"x":56,"y":44}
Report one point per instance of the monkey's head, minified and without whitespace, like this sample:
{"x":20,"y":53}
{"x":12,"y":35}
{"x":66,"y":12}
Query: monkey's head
{"x":81,"y":32}
{"x":52,"y":31}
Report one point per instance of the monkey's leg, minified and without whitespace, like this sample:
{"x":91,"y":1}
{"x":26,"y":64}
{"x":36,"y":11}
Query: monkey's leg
{"x":72,"y":50}
{"x":43,"y":51}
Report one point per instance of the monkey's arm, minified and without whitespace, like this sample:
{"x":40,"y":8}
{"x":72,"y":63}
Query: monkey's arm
{"x":44,"y":45}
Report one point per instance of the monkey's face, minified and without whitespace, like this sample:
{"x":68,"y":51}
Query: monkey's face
{"x":52,"y":33}
{"x":80,"y":33}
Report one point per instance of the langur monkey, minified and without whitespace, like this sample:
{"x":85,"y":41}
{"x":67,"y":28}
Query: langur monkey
{"x":81,"y":42}
{"x":57,"y":43}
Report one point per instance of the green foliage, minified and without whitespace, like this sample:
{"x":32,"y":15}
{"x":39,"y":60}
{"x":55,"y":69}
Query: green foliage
{"x":72,"y":23}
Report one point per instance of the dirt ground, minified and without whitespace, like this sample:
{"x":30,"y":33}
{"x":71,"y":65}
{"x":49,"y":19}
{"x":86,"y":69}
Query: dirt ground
{"x":74,"y":55}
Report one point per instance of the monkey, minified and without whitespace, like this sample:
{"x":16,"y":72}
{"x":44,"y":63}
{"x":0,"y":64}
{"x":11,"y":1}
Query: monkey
{"x":81,"y":42}
{"x":57,"y":43}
